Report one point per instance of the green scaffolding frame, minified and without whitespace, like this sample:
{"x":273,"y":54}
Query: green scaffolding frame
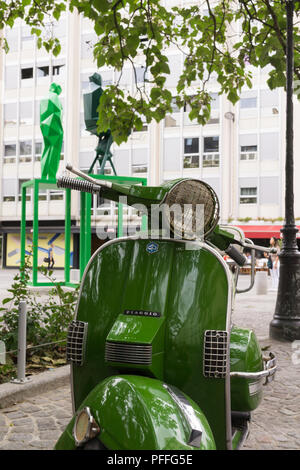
{"x":85,"y":216}
{"x":85,"y":224}
{"x":36,"y":184}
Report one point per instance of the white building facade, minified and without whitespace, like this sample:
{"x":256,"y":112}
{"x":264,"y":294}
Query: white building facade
{"x":240,"y":152}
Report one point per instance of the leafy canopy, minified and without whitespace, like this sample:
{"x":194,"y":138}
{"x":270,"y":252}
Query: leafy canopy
{"x":216,"y":39}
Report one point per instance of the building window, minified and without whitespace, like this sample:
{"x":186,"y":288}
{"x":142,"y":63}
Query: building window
{"x":27,"y":42}
{"x":10,"y":152}
{"x":248,"y":195}
{"x":58,"y":69}
{"x":248,"y":152}
{"x":211,"y":160}
{"x":62,"y":152}
{"x":27,"y":39}
{"x":38,"y":150}
{"x":37,"y":105}
{"x":215,"y":101}
{"x":139,"y":168}
{"x":56,"y":195}
{"x":191,"y":153}
{"x":9,"y":198}
{"x":144,"y":128}
{"x":28,"y":192}
{"x":26,"y":113}
{"x":249,"y":102}
{"x":11,"y":77}
{"x":42,"y":71}
{"x":27,"y":73}
{"x":25,"y":151}
{"x":12,"y":37}
{"x":141,"y":75}
{"x":211,"y":156}
{"x":10,"y":114}
{"x":43,"y":195}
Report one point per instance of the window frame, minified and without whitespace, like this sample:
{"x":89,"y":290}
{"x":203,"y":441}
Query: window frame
{"x":248,"y":198}
{"x":188,"y":157}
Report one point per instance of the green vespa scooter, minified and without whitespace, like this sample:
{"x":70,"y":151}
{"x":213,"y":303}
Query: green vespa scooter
{"x":156,"y":363}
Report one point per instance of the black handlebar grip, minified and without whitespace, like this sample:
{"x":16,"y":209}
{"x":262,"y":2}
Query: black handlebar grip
{"x":78,"y":185}
{"x":238,"y":257}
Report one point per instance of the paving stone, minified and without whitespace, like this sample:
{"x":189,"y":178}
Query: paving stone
{"x":20,"y":437}
{"x":49,"y":435}
{"x":12,"y":415}
{"x":22,"y":422}
{"x":46,"y":445}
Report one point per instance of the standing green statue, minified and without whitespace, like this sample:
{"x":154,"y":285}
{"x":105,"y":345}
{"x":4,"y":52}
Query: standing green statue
{"x":52,"y":131}
{"x":91,"y":102}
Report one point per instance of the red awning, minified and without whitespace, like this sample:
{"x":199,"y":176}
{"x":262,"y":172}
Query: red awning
{"x":263,"y":231}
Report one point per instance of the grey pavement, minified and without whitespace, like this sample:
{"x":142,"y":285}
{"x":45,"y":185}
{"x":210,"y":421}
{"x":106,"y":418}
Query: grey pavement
{"x":37,"y":421}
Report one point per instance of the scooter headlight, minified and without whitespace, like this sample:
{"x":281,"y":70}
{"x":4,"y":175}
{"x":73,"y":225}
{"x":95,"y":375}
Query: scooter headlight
{"x":192,"y":209}
{"x":85,"y":427}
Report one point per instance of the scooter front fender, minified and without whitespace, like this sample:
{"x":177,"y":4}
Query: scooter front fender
{"x":141,"y":413}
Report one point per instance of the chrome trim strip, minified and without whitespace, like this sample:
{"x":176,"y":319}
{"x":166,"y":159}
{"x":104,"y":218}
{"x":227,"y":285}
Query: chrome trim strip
{"x":212,"y":250}
{"x":189,"y":414}
{"x":268,"y":372}
{"x":254,"y":375}
{"x":252,"y":279}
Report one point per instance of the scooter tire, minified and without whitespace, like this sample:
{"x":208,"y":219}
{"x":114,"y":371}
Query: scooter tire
{"x":93,"y":444}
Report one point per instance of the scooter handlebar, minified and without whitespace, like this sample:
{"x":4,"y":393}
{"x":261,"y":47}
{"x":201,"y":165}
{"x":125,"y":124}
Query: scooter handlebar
{"x":238,"y":257}
{"x":78,"y":185}
{"x":259,"y":248}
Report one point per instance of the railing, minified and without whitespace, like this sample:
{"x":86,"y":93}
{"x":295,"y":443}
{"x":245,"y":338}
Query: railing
{"x":22,"y":347}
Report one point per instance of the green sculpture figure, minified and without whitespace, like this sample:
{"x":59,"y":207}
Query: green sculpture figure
{"x":91,"y":101}
{"x":52,"y":131}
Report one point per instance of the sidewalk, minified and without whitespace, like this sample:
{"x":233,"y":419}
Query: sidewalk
{"x":38,"y":416}
{"x":276,"y":422}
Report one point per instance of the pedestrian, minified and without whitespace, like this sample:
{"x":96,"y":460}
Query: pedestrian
{"x":275,"y":263}
{"x":269,"y":263}
{"x":50,"y":257}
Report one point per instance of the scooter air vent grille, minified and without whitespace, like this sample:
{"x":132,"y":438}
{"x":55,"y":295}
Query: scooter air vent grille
{"x":215,"y":353}
{"x":76,"y":342}
{"x":130,"y":353}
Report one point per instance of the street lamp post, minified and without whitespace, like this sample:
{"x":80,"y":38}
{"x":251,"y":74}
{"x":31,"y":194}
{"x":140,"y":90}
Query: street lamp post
{"x":286,"y":322}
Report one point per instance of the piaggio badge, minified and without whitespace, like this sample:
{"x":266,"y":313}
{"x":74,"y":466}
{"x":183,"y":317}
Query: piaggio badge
{"x":152,"y":247}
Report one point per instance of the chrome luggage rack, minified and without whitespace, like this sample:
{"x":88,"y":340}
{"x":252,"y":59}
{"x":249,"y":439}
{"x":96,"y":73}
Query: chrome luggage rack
{"x":268,"y":372}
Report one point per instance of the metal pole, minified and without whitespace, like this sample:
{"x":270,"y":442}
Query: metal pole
{"x":21,"y":378}
{"x":286,"y":322}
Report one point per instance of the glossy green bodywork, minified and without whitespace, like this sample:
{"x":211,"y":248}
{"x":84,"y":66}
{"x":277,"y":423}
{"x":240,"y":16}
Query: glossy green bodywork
{"x":138,"y":413}
{"x":144,"y":195}
{"x":189,"y":287}
{"x":141,"y":330}
{"x":245,"y":355}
